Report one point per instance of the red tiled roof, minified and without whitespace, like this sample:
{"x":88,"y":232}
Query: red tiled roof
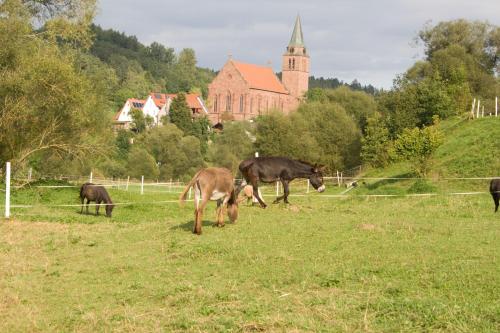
{"x":260,"y":77}
{"x":191,"y":99}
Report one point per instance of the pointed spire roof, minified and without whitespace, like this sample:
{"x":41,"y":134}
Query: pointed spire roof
{"x":297,"y":37}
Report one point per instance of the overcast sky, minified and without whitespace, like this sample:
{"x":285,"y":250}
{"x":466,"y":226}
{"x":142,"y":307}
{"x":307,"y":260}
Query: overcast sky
{"x":371,"y":41}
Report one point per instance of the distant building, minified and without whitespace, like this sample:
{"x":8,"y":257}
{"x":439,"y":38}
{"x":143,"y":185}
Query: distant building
{"x":243,"y":91}
{"x":156,"y":105}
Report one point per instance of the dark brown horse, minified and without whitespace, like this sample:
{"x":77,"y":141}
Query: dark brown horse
{"x":96,"y":193}
{"x":495,"y":192}
{"x":272,"y":169}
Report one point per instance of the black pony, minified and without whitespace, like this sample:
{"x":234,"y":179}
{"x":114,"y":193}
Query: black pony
{"x":495,"y":191}
{"x":96,"y":193}
{"x":271,"y":169}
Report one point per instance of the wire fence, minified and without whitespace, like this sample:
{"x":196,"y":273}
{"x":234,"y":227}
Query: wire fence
{"x":300,"y":188}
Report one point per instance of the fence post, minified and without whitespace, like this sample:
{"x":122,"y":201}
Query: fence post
{"x":170,"y":186}
{"x":473,"y":107}
{"x":496,"y":106}
{"x":7,"y":190}
{"x":482,"y":114}
{"x":338,"y":179}
{"x":90,"y":178}
{"x":256,"y":154}
{"x":30,"y":171}
{"x":342,"y":178}
{"x":308,"y":182}
{"x":477,"y":111}
{"x":277,"y":189}
{"x":142,"y":185}
{"x":126,"y":186}
{"x":189,"y":197}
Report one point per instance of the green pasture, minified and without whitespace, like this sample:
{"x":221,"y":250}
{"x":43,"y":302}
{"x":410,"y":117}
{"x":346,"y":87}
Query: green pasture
{"x":321,"y":264}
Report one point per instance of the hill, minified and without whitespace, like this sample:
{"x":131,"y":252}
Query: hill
{"x":470,"y":150}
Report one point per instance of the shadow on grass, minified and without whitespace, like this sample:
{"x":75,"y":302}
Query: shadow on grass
{"x":188,"y":226}
{"x":384,"y":182}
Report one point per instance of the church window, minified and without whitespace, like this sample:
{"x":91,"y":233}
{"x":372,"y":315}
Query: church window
{"x":293,"y":63}
{"x":251,"y":105}
{"x":228,"y":102}
{"x":289,"y":63}
{"x":216,"y":104}
{"x":241,"y":103}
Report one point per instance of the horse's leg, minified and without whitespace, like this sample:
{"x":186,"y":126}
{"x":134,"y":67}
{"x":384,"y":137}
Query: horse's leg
{"x":220,"y":211}
{"x":97,"y":206}
{"x":253,"y":180}
{"x":282,"y":196}
{"x":496,"y":199}
{"x":199,"y":216}
{"x":286,"y":190}
{"x":87,"y":206}
{"x":82,"y":199}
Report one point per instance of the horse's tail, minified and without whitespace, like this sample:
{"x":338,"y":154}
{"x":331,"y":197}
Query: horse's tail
{"x":82,"y":191}
{"x":182,"y":197}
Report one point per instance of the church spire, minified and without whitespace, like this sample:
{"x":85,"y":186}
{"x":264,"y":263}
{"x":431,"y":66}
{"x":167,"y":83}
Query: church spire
{"x":297,"y":37}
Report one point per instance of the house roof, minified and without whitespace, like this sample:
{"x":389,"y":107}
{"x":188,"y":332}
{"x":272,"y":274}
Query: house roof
{"x":136,"y":103}
{"x":193,"y":100}
{"x":260,"y":77}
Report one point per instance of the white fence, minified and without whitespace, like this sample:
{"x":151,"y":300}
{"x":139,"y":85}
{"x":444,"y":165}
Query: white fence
{"x":300,"y":187}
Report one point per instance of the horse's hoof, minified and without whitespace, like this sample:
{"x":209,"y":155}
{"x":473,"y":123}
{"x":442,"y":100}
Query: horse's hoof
{"x":263,"y":206}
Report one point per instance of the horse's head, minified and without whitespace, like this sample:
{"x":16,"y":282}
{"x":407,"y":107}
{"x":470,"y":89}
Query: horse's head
{"x":232,"y":211}
{"x":316,"y":178}
{"x":109,"y":209}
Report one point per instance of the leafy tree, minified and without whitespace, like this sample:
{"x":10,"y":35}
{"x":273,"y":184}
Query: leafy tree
{"x":375,"y":144}
{"x":335,"y":133}
{"x":140,"y":122}
{"x":278,"y":135}
{"x":141,"y":163}
{"x":45,"y":101}
{"x":231,"y":146}
{"x":180,"y":114}
{"x":417,"y":146}
{"x":176,"y":155}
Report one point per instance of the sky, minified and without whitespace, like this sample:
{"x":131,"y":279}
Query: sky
{"x":371,"y":41}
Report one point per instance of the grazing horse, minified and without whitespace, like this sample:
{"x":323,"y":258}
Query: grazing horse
{"x":98,"y":194}
{"x":271,"y":169}
{"x":215,"y":184}
{"x":495,"y":192}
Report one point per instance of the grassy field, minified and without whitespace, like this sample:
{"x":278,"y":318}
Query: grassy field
{"x":318,"y":265}
{"x":321,"y":264}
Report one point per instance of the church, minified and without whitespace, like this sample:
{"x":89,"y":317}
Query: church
{"x":243,"y":91}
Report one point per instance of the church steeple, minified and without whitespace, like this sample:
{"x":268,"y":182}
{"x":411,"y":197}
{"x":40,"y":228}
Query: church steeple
{"x":295,"y":69}
{"x":297,"y":37}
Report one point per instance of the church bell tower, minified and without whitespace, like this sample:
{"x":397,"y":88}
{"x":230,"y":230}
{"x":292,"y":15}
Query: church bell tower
{"x":295,"y":69}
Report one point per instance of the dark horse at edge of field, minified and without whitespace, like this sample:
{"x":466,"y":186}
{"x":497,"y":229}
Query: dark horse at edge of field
{"x":495,"y":191}
{"x":271,"y":169}
{"x":96,"y":193}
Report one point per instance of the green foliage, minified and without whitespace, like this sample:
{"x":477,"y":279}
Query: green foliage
{"x":178,"y":156}
{"x":180,"y":114}
{"x":335,"y":134}
{"x":140,"y":122}
{"x":376,"y":144}
{"x":357,"y":104}
{"x":280,"y":135}
{"x":417,"y":146}
{"x":141,"y":163}
{"x":231,"y":146}
{"x":45,"y":101}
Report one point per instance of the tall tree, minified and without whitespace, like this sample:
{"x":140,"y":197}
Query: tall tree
{"x":180,"y":114}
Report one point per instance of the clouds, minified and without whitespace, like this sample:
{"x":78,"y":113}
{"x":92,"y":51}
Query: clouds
{"x":347,"y":39}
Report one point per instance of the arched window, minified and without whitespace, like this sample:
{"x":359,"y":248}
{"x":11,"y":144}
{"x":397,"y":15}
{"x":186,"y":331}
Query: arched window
{"x":241,"y":104}
{"x":289,"y":63}
{"x":228,"y":102}
{"x":293,"y":63}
